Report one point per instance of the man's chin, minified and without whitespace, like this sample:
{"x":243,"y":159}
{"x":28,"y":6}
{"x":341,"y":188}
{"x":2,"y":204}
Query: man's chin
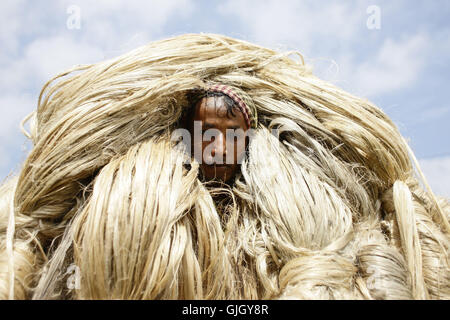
{"x":220,"y":173}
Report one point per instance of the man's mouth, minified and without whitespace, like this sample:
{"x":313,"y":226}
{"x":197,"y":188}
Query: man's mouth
{"x":216,"y":165}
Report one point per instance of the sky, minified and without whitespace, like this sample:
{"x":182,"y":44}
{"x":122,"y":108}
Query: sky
{"x":394,"y":53}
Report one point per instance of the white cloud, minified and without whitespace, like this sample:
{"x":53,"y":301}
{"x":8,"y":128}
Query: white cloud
{"x":43,"y":59}
{"x":108,"y":29}
{"x":336,"y":31}
{"x":14,"y":109}
{"x":396,"y":65}
{"x":297,"y":23}
{"x":430,"y":115}
{"x":48,"y":56}
{"x":10,"y":27}
{"x":111,"y":24}
{"x":437,"y":173}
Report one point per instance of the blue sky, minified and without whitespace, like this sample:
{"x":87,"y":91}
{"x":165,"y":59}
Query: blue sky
{"x":403,"y":66}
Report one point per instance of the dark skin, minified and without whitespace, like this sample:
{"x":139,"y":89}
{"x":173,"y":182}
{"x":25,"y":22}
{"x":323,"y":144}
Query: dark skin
{"x":212,"y":112}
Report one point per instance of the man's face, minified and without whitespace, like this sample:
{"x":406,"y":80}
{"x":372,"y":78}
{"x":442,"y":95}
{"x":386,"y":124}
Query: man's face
{"x":217,"y":145}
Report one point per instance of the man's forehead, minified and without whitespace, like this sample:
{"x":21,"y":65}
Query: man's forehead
{"x":212,"y":107}
{"x":210,"y":104}
{"x":213,"y":112}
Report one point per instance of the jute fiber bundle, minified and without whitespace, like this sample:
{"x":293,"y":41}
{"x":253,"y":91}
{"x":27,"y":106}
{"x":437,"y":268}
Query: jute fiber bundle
{"x":331,"y":208}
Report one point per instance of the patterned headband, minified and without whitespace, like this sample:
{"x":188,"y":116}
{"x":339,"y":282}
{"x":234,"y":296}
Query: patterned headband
{"x":230,"y":93}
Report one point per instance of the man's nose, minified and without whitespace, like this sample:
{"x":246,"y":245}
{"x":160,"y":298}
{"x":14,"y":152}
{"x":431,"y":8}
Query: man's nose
{"x":220,"y":146}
